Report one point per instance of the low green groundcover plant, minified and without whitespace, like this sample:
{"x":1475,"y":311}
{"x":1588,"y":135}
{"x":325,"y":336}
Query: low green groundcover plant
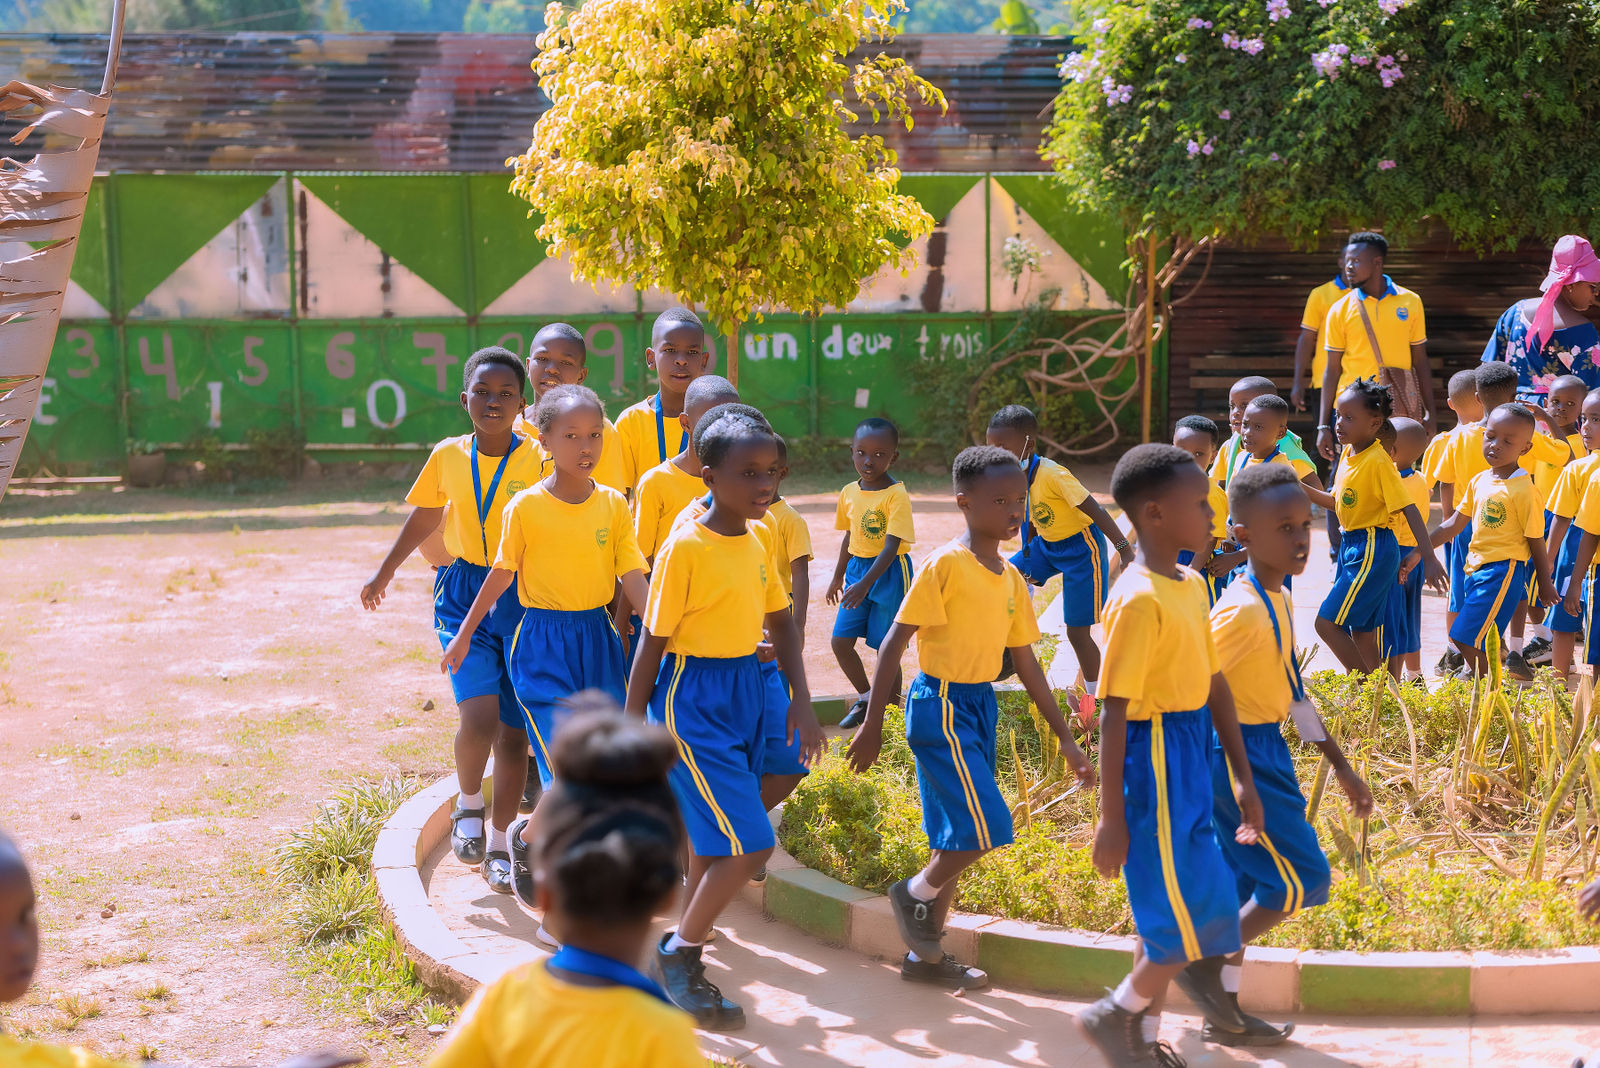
{"x":1484,"y":822}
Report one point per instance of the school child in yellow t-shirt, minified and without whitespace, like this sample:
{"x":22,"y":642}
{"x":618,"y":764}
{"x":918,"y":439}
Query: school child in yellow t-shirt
{"x":1198,"y":436}
{"x":1164,"y":696}
{"x":666,"y":489}
{"x":1252,"y":625}
{"x":475,"y":476}
{"x":1565,"y":535}
{"x":606,"y":843}
{"x":1064,"y":532}
{"x":678,"y":354}
{"x":558,"y":356}
{"x":874,"y":568}
{"x":565,"y":544}
{"x":1507,"y":536}
{"x":19,"y":961}
{"x":967,"y":606}
{"x":1367,"y":492}
{"x":714,"y":587}
{"x":1462,"y":397}
{"x":1401,"y":641}
{"x":1261,"y":429}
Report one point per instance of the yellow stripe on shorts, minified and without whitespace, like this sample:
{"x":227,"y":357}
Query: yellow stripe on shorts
{"x":947,"y":723}
{"x":1494,"y":610}
{"x":533,"y":729}
{"x":1094,"y":566}
{"x":1361,"y":576}
{"x":700,"y":784}
{"x":1169,"y":864}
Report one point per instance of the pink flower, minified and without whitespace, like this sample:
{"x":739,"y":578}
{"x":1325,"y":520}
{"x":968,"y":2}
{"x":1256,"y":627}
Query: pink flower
{"x":1224,"y":115}
{"x":1193,"y":147}
{"x":1277,"y":9}
{"x":1180,"y":58}
{"x":1274,"y":157}
{"x":1198,"y":24}
{"x":1386,"y":164}
{"x":1206,"y":148}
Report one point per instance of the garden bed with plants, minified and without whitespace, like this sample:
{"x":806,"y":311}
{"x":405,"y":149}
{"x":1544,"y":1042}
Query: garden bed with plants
{"x":1486,"y":821}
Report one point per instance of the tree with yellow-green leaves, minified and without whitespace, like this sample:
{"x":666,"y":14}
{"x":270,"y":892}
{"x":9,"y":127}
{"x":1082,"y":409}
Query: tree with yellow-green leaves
{"x":701,"y":147}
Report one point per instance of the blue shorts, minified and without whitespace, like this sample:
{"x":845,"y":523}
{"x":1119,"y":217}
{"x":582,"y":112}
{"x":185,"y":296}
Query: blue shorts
{"x":1488,"y":602}
{"x":1184,"y":896}
{"x":1591,"y":644}
{"x":1455,"y":551}
{"x":951,"y":726}
{"x":715,"y":710}
{"x":484,"y":670}
{"x":1369,"y":562}
{"x":1083,"y":563}
{"x":1558,"y":619}
{"x":1214,"y":584}
{"x":781,"y":755}
{"x":1286,"y":870}
{"x":1402,"y":620}
{"x":554,"y":655}
{"x":872,"y":618}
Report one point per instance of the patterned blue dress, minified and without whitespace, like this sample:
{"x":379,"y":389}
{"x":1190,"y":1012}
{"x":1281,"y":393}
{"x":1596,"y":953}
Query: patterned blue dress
{"x":1571,"y":350}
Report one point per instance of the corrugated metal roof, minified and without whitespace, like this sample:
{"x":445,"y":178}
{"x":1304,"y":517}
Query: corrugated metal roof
{"x":458,"y":102}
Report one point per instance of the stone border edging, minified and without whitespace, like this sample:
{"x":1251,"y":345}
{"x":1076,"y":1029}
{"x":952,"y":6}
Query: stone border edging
{"x":1029,"y":955}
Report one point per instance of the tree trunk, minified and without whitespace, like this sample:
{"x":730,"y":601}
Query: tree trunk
{"x":733,"y":355}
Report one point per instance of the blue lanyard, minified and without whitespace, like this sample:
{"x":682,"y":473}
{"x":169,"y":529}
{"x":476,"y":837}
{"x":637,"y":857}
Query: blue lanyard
{"x":1297,"y":686}
{"x":661,"y":433}
{"x":582,"y":962}
{"x":1407,"y":472}
{"x":1276,"y":449}
{"x":484,"y":503}
{"x":1027,"y":504}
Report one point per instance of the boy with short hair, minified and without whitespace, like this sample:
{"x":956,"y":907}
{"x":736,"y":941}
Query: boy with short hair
{"x":559,"y":356}
{"x":1198,"y":436}
{"x":1262,"y":425}
{"x":967,"y":606}
{"x":475,"y":475}
{"x":1405,"y":440}
{"x":1064,"y":532}
{"x":1240,"y":394}
{"x":873,"y":558}
{"x":1164,"y":696}
{"x":1507,"y":533}
{"x":678,"y":354}
{"x":1562,"y":404}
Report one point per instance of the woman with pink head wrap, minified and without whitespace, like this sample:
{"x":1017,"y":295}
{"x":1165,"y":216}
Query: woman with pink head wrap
{"x":1547,"y":337}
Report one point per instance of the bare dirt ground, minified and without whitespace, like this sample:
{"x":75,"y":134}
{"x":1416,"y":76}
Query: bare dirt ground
{"x":182,"y":678}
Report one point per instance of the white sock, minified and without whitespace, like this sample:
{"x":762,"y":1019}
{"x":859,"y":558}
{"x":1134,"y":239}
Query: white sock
{"x":1540,"y":630}
{"x":1515,"y":642}
{"x":911,"y":955}
{"x":472,"y":827}
{"x":1091,"y":687}
{"x":676,"y":943}
{"x":1150,"y":1027}
{"x":863,"y":696}
{"x":921,"y":889}
{"x":1231,"y":974}
{"x":1127,"y":999}
{"x":470,"y":800}
{"x":497,"y":840}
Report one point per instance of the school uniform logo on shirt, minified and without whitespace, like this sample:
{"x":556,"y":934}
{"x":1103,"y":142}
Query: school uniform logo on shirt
{"x":874,"y":524}
{"x":1348,"y":497}
{"x":1044,"y":514}
{"x":601,"y":535}
{"x":515,"y":487}
{"x":1011,"y":606}
{"x":1492,"y":514}
{"x":763,"y":574}
{"x":1402,"y":314}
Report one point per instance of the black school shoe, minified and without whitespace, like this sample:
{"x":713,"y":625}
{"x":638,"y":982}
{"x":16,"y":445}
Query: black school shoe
{"x":682,"y":974}
{"x":468,"y":849}
{"x":497,"y":871}
{"x":1257,"y":1032}
{"x":1518,"y":668}
{"x":915,"y":920}
{"x":1116,"y":1034}
{"x":856,"y":716}
{"x":1202,"y":982}
{"x":946,"y":972}
{"x":531,"y":789}
{"x":521,"y":872}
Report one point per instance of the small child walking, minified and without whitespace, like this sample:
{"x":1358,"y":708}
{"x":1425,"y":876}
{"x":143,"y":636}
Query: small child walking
{"x":967,"y":607}
{"x":1198,"y":436}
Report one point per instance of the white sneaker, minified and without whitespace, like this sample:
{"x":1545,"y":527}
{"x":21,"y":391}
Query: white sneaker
{"x":1539,"y":651}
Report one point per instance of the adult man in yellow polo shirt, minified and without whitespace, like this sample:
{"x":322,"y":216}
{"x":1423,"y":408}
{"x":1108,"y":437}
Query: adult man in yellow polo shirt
{"x":1397,"y":321}
{"x":1312,"y":347}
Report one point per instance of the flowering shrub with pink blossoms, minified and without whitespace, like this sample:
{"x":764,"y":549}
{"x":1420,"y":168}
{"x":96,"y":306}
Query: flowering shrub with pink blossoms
{"x":1295,"y":116}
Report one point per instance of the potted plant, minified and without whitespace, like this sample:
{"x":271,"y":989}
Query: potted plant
{"x":147,"y":464}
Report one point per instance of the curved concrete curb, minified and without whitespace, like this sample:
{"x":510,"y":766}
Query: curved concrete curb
{"x":1029,"y":955}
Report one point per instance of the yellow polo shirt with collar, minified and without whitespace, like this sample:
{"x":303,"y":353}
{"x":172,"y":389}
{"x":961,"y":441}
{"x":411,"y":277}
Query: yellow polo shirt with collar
{"x":1315,"y":318}
{"x":1397,"y":321}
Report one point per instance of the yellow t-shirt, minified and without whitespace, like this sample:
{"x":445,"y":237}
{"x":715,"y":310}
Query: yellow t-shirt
{"x":446,"y":479}
{"x":1463,"y":458}
{"x":1587,"y":518}
{"x":1158,"y":649}
{"x":1367,"y":489}
{"x":1397,"y":320}
{"x":872,"y":515}
{"x":1218,"y":499}
{"x":1316,"y":318}
{"x":793,"y":540}
{"x":1302,"y":468}
{"x":1433,"y":454}
{"x":1227,"y":458}
{"x":1251,"y":661}
{"x":1547,"y":468}
{"x":663,"y":492}
{"x":710,"y":593}
{"x":568,"y":557}
{"x":1505,"y":513}
{"x":1572,"y":485}
{"x":1416,"y":485}
{"x":1053,"y":502}
{"x":608,"y":469}
{"x":966,"y":615}
{"x":529,"y":1018}
{"x":642,"y":431}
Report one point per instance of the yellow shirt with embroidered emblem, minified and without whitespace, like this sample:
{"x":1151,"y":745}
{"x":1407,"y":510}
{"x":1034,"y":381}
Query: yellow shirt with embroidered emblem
{"x":1397,"y":321}
{"x":642,"y":433}
{"x":873,"y":515}
{"x":1572,"y":485}
{"x":791,"y":536}
{"x":1158,"y":650}
{"x":446,"y":479}
{"x":710,"y":593}
{"x":966,"y":615}
{"x":663,"y":492}
{"x":1252,"y":662}
{"x":1505,"y":513}
{"x":1053,"y":501}
{"x":609,"y":469}
{"x":1416,"y":484}
{"x":1315,"y":318}
{"x":529,"y":1017}
{"x":568,"y":557}
{"x":1367,"y":490}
